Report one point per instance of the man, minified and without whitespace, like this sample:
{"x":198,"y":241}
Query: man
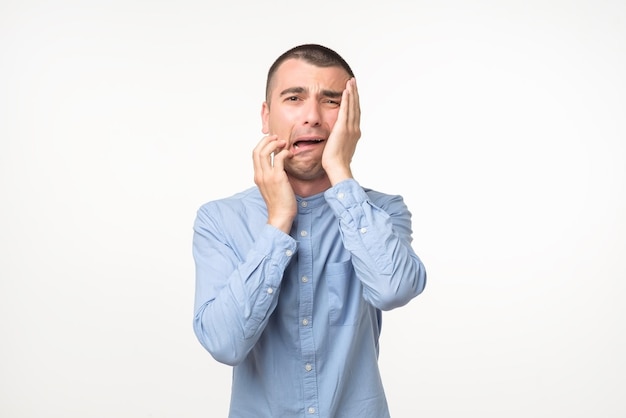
{"x":292,"y":275}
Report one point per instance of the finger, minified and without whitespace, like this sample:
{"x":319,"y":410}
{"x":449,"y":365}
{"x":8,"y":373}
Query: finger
{"x":266,"y":150}
{"x":354,"y":110}
{"x":261,"y":155}
{"x":279,"y":159}
{"x":256,"y":159}
{"x":344,"y":109}
{"x":262,"y":143}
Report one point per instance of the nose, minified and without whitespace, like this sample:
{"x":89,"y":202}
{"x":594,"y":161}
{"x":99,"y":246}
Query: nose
{"x":312,"y":114}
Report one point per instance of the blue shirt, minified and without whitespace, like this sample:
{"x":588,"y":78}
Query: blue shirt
{"x":299,"y":315}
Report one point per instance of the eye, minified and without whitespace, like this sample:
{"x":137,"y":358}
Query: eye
{"x":332,"y":102}
{"x":292,"y":98}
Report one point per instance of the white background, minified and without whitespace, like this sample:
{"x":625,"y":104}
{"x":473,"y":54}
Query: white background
{"x":500,"y":122}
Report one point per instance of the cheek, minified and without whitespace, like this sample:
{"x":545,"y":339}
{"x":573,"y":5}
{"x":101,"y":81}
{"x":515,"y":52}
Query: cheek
{"x":282,"y":120}
{"x":331,"y":117}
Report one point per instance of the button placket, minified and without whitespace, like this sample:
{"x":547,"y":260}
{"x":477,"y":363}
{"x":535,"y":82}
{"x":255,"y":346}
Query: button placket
{"x":306,"y":290}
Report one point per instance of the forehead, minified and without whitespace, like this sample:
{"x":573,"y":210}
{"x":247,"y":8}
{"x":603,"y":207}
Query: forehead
{"x":299,"y":73}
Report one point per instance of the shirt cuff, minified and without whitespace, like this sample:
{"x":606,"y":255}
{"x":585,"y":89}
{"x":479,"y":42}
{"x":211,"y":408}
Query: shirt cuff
{"x":280,"y":246}
{"x":345,"y":195}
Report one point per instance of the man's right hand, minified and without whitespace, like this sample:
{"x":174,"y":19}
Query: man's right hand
{"x":270,"y":176}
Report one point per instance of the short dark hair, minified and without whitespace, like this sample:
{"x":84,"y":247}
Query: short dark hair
{"x":315,"y":54}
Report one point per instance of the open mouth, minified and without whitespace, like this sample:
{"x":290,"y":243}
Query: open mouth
{"x":306,"y":142}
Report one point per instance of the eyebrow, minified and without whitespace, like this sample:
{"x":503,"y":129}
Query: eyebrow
{"x":300,"y":90}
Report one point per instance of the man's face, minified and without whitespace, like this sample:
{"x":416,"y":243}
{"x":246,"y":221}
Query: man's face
{"x":302,"y":110}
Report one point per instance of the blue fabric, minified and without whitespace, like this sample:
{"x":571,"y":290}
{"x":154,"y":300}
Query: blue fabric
{"x":299,"y":315}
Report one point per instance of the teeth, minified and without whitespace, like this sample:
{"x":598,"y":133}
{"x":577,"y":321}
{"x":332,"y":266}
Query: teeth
{"x":316,"y":141}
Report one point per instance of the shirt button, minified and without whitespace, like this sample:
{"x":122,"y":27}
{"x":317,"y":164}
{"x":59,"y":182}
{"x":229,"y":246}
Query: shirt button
{"x":304,"y":203}
{"x":270,"y":290}
{"x":305,"y":322}
{"x":303,"y":233}
{"x":311,"y":410}
{"x":304,"y":279}
{"x":340,"y":195}
{"x":308,"y":367}
{"x":363,"y":230}
{"x":288,"y":253}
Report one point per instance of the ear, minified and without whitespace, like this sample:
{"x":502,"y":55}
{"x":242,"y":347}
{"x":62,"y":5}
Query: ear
{"x":265,"y":118}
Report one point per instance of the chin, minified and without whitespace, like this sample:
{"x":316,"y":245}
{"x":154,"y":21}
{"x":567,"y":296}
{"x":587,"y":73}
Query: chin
{"x":306,"y":172}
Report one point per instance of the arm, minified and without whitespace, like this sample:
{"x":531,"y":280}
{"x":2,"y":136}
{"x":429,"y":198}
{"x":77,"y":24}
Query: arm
{"x":344,"y":136}
{"x":236,"y":288}
{"x":379,"y":238}
{"x":238,"y":275}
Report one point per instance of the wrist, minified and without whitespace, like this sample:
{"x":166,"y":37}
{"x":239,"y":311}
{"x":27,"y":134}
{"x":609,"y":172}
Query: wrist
{"x":339,"y":175}
{"x":284,"y":224}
